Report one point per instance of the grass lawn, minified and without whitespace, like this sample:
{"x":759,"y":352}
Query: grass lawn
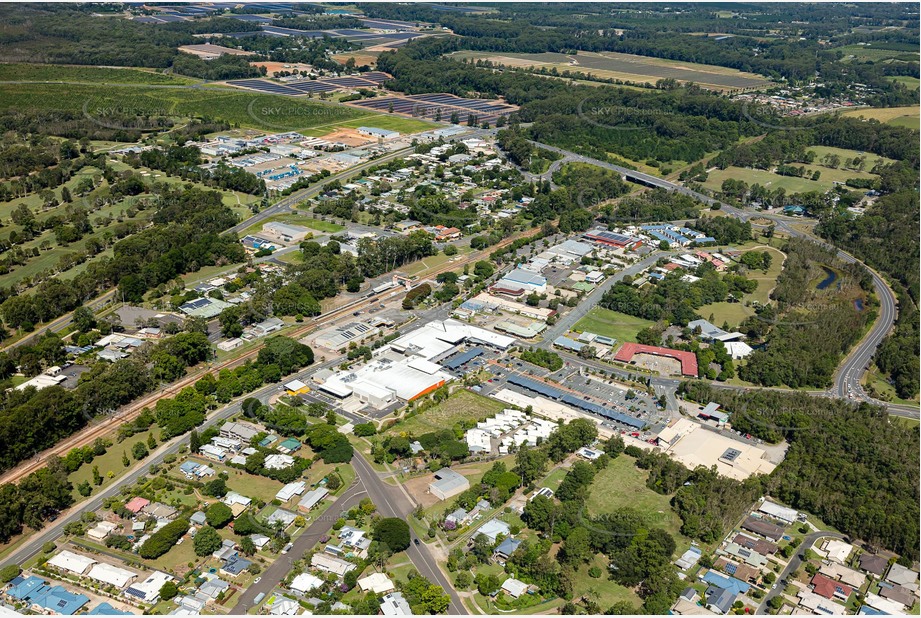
{"x":735,"y":313}
{"x":249,"y":485}
{"x":766,"y":179}
{"x":554,"y":479}
{"x":912,"y":83}
{"x":907,"y":116}
{"x":623,"y":485}
{"x":420,"y":266}
{"x":110,"y":462}
{"x":605,"y":322}
{"x":462,"y":405}
{"x":296,"y":219}
{"x":391,"y":122}
{"x":605,"y":592}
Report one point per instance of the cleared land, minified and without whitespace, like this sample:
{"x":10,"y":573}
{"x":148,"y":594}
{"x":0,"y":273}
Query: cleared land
{"x":620,"y":326}
{"x":623,"y":485}
{"x":628,"y":67}
{"x":908,"y":116}
{"x":325,"y":227}
{"x":462,"y":405}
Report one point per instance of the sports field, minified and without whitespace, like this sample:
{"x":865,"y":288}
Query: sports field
{"x":628,"y":67}
{"x":605,"y":322}
{"x":900,"y":116}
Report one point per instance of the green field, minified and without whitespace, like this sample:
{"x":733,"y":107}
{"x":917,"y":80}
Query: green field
{"x":326,"y":227}
{"x":766,"y":179}
{"x":623,"y":485}
{"x":245,"y":109}
{"x":907,"y":116}
{"x":869,"y":52}
{"x":619,"y":326}
{"x":736,"y":313}
{"x":110,"y":462}
{"x":72,"y":73}
{"x":462,"y":405}
{"x":912,"y":83}
{"x":872,"y":159}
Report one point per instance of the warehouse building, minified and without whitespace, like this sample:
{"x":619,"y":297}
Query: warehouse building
{"x":285,"y":233}
{"x":448,"y":483}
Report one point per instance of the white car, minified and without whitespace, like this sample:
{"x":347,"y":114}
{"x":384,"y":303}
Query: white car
{"x":257,"y":580}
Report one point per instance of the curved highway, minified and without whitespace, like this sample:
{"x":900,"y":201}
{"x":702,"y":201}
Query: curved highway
{"x":847,"y":381}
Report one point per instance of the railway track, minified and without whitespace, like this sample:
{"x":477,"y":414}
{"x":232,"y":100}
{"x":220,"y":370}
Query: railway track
{"x":134,"y":409}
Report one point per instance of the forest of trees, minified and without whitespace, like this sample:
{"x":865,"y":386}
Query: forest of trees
{"x":808,"y":331}
{"x":886,"y":238}
{"x":848,"y":464}
{"x":187,"y":236}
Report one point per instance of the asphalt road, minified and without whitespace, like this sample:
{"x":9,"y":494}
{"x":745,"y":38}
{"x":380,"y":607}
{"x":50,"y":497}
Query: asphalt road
{"x":793,"y":565}
{"x":847,"y":380}
{"x":279,"y":569}
{"x":392,"y":502}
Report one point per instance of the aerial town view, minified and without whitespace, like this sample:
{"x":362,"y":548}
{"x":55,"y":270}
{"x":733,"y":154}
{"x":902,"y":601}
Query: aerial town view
{"x":500,"y":308}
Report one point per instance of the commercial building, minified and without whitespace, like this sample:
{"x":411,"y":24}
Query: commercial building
{"x":448,"y":483}
{"x":521,"y":278}
{"x":285,"y":233}
{"x":688,"y":360}
{"x":376,"y":133}
{"x":612,"y":240}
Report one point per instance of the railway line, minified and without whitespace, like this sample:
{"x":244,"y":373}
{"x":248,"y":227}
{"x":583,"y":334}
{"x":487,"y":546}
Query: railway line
{"x":134,"y":409}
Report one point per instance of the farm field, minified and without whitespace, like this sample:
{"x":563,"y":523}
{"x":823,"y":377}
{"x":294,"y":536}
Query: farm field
{"x":619,"y":326}
{"x":462,"y":405}
{"x":246,"y":109}
{"x":900,"y":116}
{"x":72,"y":73}
{"x":628,"y":67}
{"x":623,"y":485}
{"x":864,"y":53}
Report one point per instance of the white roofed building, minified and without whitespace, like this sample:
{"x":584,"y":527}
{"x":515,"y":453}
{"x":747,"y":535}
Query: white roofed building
{"x":112,"y":575}
{"x":72,"y":563}
{"x":305,"y":582}
{"x":782,"y":513}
